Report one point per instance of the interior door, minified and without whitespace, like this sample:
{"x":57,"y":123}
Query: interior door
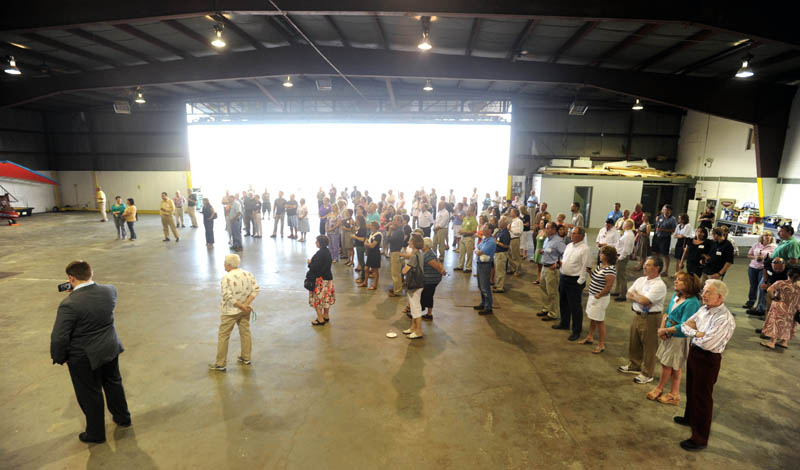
{"x":583,"y":196}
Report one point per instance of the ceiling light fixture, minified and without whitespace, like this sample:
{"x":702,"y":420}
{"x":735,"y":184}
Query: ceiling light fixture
{"x":745,"y":71}
{"x":288,"y":83}
{"x":11,"y":68}
{"x":637,"y":106}
{"x":139,"y":97}
{"x":425,"y":44}
{"x":428,"y":86}
{"x":218,"y":42}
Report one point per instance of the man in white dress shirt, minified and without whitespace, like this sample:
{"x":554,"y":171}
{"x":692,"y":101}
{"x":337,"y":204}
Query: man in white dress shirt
{"x":571,"y":283}
{"x":515,"y":228}
{"x":624,"y":251}
{"x":710,"y":329}
{"x":607,"y":235}
{"x":647,"y":294}
{"x":440,"y":230}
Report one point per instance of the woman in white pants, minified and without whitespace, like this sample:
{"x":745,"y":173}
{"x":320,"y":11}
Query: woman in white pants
{"x":415,"y":262}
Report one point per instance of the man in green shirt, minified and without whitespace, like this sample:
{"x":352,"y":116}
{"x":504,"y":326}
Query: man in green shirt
{"x":467,"y":244}
{"x":788,"y":247}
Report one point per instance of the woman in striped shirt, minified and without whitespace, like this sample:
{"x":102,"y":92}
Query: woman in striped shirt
{"x":602,"y":281}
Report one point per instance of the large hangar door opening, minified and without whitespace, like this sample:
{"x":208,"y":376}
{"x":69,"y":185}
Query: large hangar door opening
{"x":299,"y":158}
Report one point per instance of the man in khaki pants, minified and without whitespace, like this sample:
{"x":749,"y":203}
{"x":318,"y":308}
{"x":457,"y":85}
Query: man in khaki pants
{"x":469,"y":226}
{"x":396,"y":241}
{"x":624,"y":251}
{"x":100,"y":198}
{"x":501,"y":255}
{"x":552,"y":250}
{"x":515,"y":229}
{"x":239,"y":289}
{"x":167,"y":211}
{"x":191,"y":207}
{"x":440,"y":230}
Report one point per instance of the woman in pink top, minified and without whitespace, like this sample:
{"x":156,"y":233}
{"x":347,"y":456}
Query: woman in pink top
{"x":755,"y":272}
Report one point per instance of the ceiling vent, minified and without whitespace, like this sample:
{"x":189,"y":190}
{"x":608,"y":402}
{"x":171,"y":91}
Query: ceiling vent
{"x":122,"y":107}
{"x":578,"y":108}
{"x":324,"y":84}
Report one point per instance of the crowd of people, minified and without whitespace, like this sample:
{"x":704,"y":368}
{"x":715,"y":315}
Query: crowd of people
{"x":493,"y":236}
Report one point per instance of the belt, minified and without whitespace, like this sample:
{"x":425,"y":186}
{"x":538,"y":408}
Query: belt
{"x":548,"y":265}
{"x":645,"y":314}
{"x":515,"y":238}
{"x":485,"y":262}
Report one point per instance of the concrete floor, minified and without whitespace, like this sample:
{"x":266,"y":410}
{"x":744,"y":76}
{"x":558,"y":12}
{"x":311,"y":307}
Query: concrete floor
{"x":503,"y":391}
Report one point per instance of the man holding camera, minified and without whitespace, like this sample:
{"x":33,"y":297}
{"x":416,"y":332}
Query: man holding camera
{"x":85,"y":338}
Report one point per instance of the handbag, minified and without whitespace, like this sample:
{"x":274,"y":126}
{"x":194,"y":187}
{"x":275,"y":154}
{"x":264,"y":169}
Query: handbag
{"x":310,"y":283}
{"x":415,"y":277}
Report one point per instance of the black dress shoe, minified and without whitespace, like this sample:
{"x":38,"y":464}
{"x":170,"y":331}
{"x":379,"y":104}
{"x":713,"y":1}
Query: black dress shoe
{"x":681,"y":420}
{"x":85,"y":438}
{"x":690,"y":445}
{"x":573,"y":337}
{"x":485,"y":312}
{"x":747,"y":306}
{"x":559,"y":327}
{"x":478,"y":307}
{"x":541,"y":314}
{"x":752,"y":311}
{"x":758,"y":330}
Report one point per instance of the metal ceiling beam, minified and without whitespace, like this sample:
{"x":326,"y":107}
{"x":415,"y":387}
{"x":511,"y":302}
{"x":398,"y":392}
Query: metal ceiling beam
{"x":381,"y":32}
{"x":390,"y":91}
{"x":190,"y":33}
{"x":473,"y":35}
{"x":152,"y":40}
{"x":283,"y":29}
{"x":748,"y":44}
{"x":585,"y":29}
{"x":672,"y":50}
{"x":111,"y":44}
{"x":268,"y":94}
{"x":630,"y":40}
{"x":27,"y":52}
{"x":239,"y":32}
{"x":731,"y":99}
{"x":523,"y":35}
{"x":329,"y":19}
{"x":715,"y":14}
{"x":71,"y":49}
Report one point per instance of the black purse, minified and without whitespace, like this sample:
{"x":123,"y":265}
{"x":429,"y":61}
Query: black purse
{"x":310,"y":283}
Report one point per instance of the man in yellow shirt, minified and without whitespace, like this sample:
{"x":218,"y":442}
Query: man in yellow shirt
{"x":167,"y":210}
{"x":469,"y":226}
{"x":101,"y":204}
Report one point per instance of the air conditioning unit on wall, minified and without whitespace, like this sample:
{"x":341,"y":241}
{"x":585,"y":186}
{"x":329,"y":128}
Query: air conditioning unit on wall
{"x":122,"y":107}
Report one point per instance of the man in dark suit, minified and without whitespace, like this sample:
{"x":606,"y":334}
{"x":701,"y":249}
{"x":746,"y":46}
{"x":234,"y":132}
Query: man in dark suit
{"x":84,"y":337}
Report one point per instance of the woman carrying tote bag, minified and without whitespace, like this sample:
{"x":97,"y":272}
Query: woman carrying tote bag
{"x":319,"y":282}
{"x":415,"y":281}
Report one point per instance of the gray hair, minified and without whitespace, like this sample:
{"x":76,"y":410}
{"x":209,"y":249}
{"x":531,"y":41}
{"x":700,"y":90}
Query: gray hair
{"x":719,"y":287}
{"x":232,"y":261}
{"x":657,"y":262}
{"x":579,"y":230}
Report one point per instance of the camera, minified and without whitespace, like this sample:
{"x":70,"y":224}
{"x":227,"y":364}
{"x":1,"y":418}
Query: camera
{"x":65,"y":286}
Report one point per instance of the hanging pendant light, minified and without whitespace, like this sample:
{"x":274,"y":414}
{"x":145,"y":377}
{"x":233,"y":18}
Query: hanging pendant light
{"x":218,"y":42}
{"x":637,"y":106}
{"x":288,"y":83}
{"x":139,"y":97}
{"x":11,"y":68}
{"x":428,"y":86}
{"x":745,"y":71}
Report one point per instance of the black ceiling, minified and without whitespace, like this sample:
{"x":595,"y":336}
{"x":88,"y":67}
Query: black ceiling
{"x":56,"y":43}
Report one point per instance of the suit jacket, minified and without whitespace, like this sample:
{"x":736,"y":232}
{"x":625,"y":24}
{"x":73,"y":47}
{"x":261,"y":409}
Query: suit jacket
{"x":84,"y":327}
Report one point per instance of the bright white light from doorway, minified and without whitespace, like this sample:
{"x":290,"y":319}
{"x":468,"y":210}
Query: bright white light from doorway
{"x":299,"y":158}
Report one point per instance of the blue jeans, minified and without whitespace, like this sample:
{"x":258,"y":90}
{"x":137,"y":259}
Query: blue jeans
{"x":236,"y":233}
{"x":484,"y":272}
{"x":756,"y":276}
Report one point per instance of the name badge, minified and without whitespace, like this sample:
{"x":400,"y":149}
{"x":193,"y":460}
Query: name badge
{"x":719,"y":253}
{"x":701,"y":246}
{"x":549,"y":250}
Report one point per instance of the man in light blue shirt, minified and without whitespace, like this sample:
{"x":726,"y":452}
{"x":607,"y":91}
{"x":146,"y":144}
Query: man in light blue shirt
{"x":485,"y":255}
{"x":235,"y":215}
{"x":552,"y":250}
{"x":532,"y":202}
{"x":616,"y":213}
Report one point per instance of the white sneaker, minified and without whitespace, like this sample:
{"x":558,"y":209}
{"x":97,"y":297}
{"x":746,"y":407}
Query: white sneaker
{"x":642,"y":379}
{"x":414,"y":336}
{"x":407,"y":332}
{"x":627,"y":369}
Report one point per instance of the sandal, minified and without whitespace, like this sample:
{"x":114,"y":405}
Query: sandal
{"x":428,"y":316}
{"x":318,"y":323}
{"x":669,"y":399}
{"x":586,"y":341}
{"x":407,"y":309}
{"x":371,"y":288}
{"x":784,"y":346}
{"x":598,"y":349}
{"x":654,"y":394}
{"x":536,"y":282}
{"x":767,"y":345}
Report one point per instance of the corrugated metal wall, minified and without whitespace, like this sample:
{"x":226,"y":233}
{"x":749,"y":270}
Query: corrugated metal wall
{"x":22,"y":138}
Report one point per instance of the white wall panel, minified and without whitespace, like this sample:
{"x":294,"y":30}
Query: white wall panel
{"x":558,"y":193}
{"x":41,"y":197}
